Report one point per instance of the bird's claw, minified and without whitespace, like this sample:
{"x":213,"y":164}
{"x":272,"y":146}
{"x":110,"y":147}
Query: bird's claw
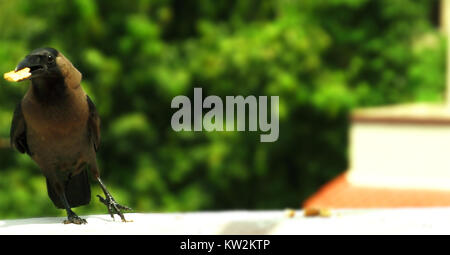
{"x":74,"y":219}
{"x":113,"y":207}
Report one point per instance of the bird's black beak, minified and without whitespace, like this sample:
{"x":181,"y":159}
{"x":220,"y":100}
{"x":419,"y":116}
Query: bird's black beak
{"x":34,"y":63}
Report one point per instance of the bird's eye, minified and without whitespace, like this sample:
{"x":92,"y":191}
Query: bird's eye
{"x":50,"y":58}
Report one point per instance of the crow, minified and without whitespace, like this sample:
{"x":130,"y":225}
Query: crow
{"x":58,"y":126}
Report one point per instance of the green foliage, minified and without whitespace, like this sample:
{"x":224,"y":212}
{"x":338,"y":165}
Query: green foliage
{"x":322,"y":58}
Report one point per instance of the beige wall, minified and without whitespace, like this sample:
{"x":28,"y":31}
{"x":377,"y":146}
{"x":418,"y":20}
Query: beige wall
{"x":400,"y":156}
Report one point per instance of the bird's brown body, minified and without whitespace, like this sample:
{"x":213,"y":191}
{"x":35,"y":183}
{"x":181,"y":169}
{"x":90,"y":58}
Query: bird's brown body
{"x":57,"y":134}
{"x":57,"y":125}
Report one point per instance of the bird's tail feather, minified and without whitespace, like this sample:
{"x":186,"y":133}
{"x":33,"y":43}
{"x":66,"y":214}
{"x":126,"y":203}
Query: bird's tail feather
{"x":78,"y":191}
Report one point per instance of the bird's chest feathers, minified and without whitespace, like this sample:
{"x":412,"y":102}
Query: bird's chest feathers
{"x":56,"y":120}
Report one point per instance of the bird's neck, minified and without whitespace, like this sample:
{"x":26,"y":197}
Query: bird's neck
{"x":49,"y":90}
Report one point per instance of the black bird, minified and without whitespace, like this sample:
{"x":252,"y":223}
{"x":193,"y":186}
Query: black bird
{"x":58,"y":126}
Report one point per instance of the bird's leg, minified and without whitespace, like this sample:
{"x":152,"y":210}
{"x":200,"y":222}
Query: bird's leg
{"x":111,"y":204}
{"x":71,"y":216}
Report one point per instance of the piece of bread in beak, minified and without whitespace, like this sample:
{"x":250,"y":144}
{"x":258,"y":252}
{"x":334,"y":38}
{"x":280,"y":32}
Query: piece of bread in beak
{"x":17,"y":75}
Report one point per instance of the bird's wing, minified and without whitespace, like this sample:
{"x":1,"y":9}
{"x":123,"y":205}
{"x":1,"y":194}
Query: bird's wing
{"x":93,"y":124}
{"x":18,"y":134}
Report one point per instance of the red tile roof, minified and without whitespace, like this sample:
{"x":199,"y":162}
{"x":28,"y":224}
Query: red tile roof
{"x":339,"y":193}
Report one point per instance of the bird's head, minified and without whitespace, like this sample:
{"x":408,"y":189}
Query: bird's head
{"x":50,"y":64}
{"x":42,"y":63}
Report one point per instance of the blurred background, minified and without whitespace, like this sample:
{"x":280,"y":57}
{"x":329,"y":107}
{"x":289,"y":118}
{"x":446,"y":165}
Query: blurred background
{"x":322,"y":58}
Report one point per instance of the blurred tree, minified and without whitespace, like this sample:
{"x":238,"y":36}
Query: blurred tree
{"x":322,"y":58}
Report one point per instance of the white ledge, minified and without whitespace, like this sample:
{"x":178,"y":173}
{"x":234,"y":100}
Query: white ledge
{"x":376,"y":221}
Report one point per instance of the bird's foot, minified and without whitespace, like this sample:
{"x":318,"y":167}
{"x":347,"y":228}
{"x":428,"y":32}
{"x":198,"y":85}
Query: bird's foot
{"x":73,"y":218}
{"x":113,"y":206}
